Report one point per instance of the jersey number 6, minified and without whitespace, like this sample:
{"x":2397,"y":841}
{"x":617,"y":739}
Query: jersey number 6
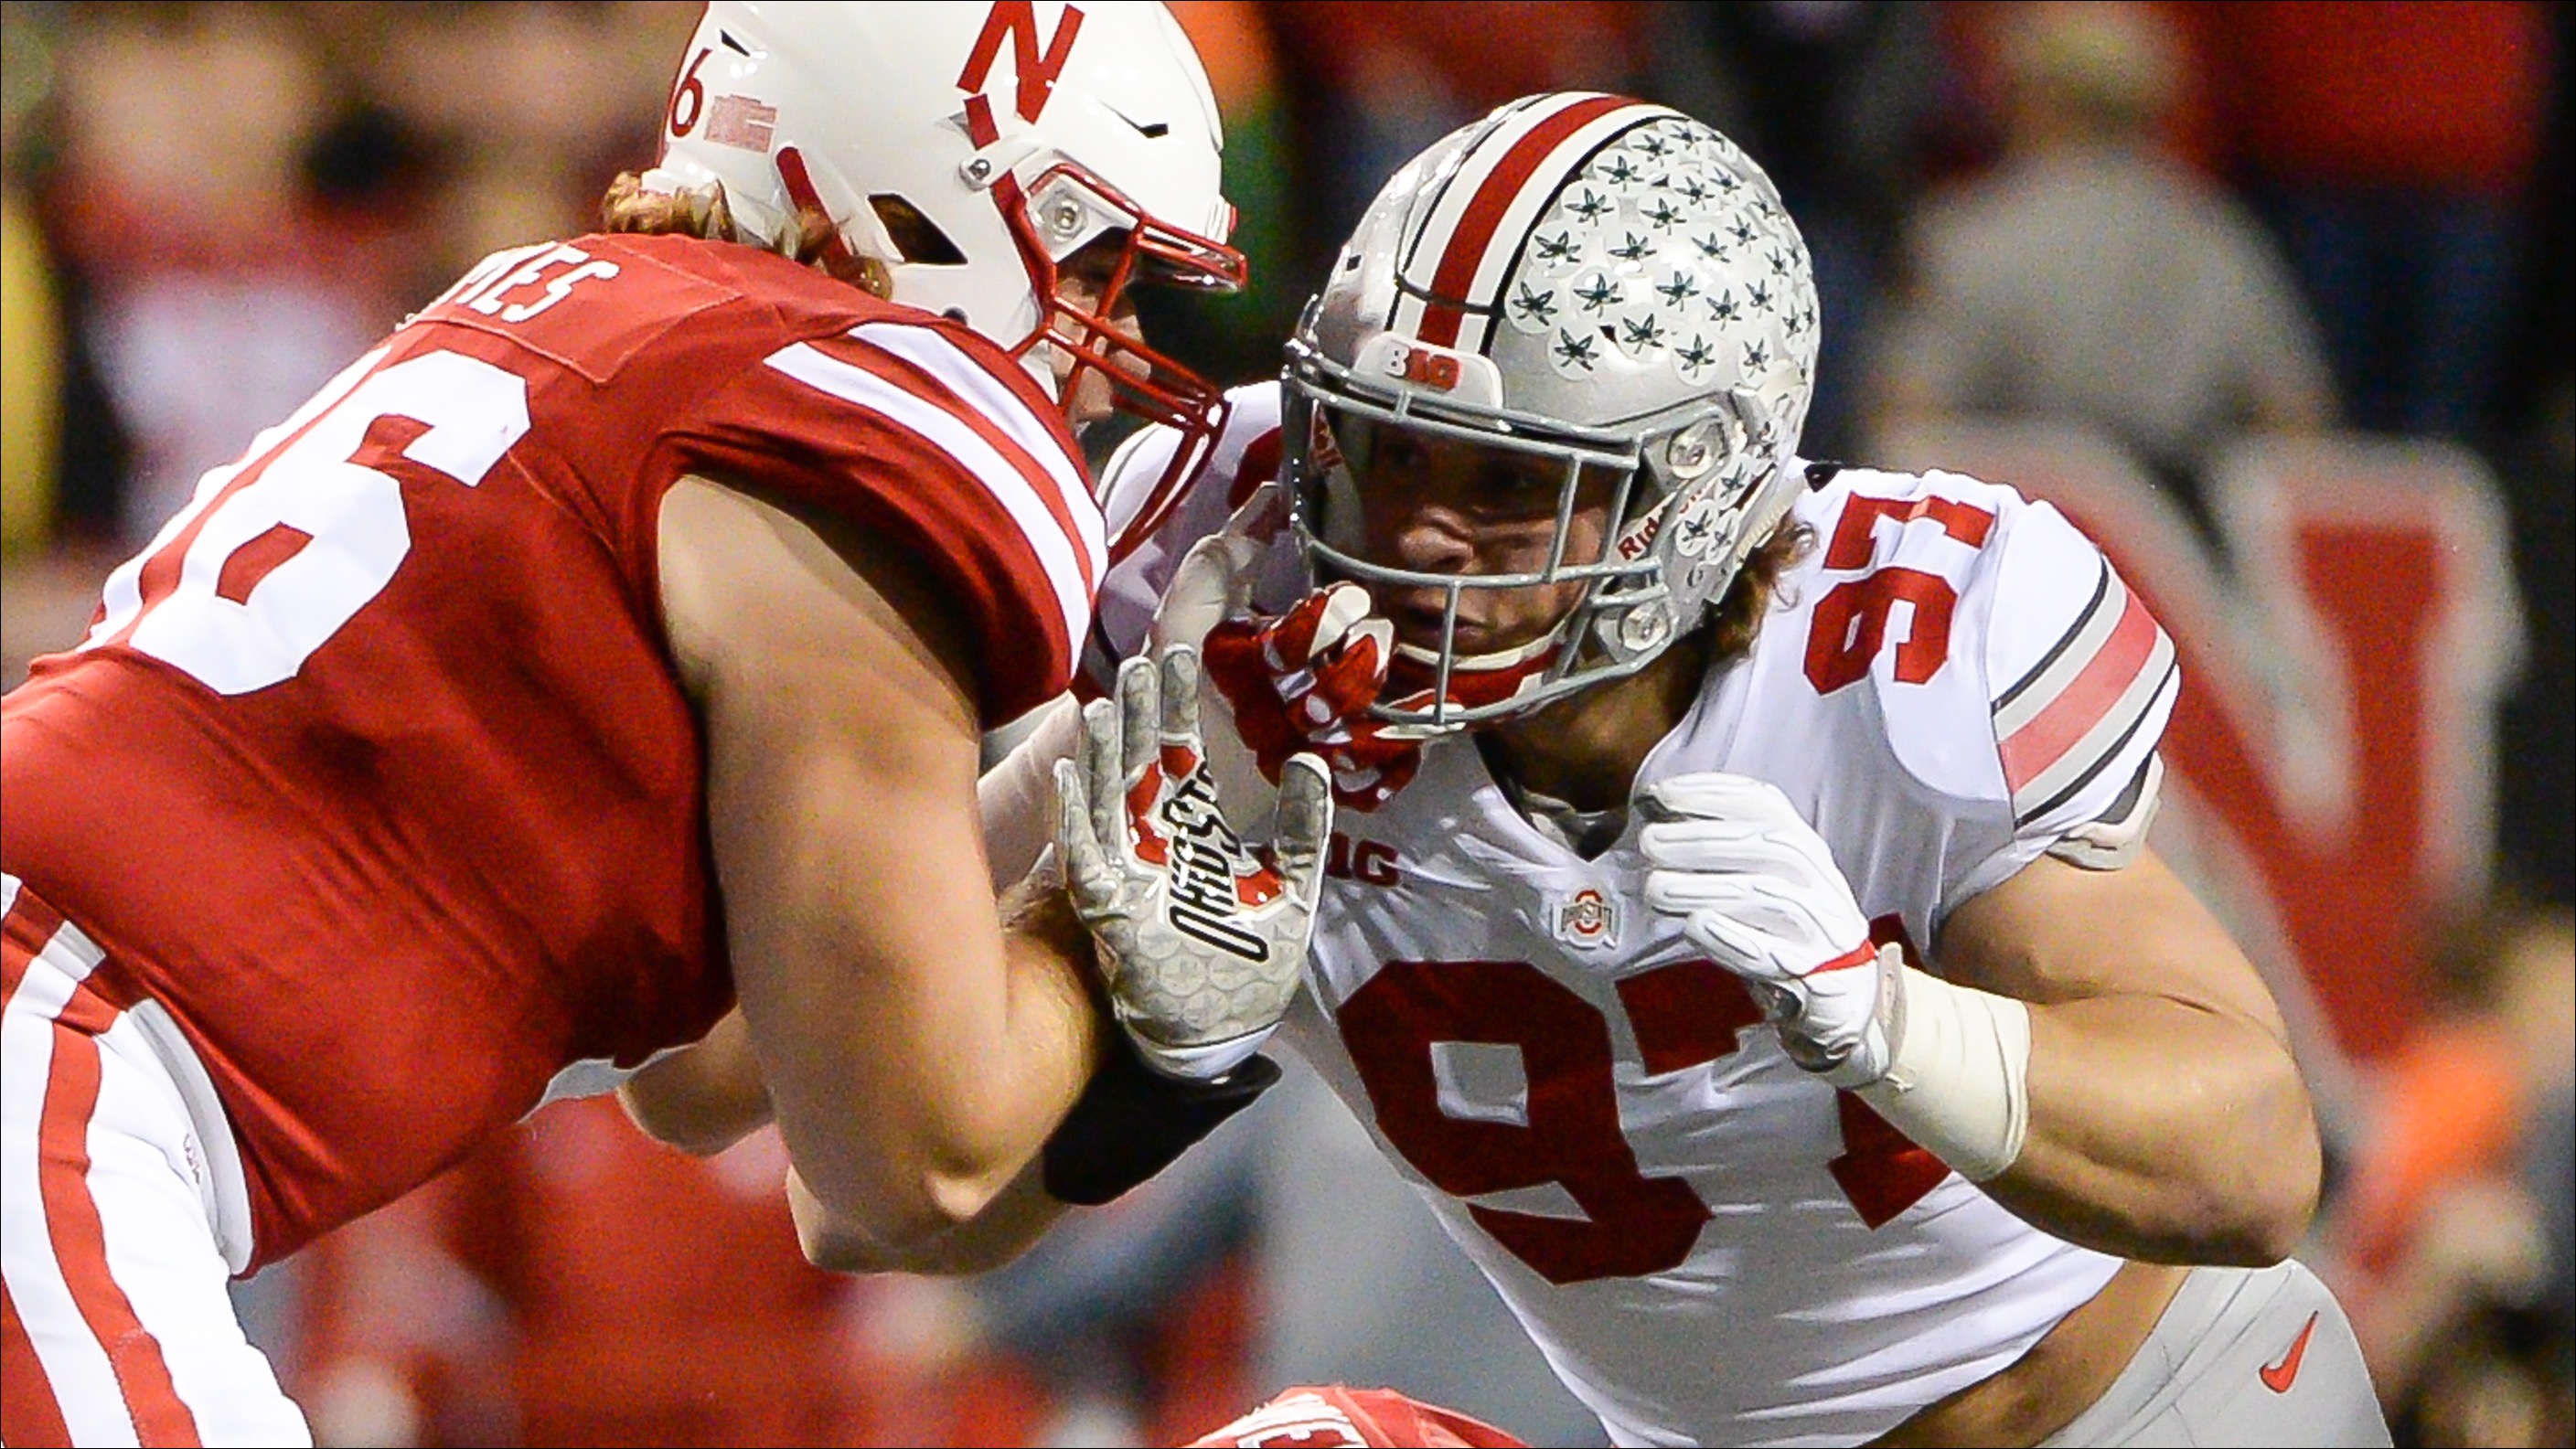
{"x":277,"y":552}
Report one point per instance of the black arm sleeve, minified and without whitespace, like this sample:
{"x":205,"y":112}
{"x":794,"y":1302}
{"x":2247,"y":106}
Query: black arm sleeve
{"x":1132,"y":1122}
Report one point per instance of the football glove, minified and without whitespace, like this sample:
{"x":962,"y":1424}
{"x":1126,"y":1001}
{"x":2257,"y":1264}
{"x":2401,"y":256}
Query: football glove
{"x":1202,"y":942}
{"x":1757,"y":889}
{"x":1271,"y":689}
{"x":1303,"y":683}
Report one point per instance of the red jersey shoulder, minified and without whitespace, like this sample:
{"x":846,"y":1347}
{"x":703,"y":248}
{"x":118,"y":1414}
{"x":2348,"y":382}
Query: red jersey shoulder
{"x":673,"y":355}
{"x":692,"y":314}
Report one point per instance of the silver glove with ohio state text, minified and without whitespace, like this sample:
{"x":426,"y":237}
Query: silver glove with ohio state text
{"x":1757,"y":889}
{"x":1202,"y":939}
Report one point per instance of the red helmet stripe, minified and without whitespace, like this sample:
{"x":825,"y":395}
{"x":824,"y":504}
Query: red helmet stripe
{"x":1465,"y":253}
{"x":802,"y":197}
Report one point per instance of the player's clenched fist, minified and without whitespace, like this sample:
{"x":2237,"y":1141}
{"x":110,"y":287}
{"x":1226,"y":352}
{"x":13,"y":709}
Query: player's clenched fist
{"x":1304,"y":682}
{"x":1202,"y":941}
{"x":1757,"y":890}
{"x":1295,"y":684}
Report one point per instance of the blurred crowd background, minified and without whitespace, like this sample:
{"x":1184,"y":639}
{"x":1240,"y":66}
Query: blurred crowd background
{"x":2168,"y":226}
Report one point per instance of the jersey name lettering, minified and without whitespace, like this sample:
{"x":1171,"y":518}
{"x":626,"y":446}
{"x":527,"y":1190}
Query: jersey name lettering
{"x":480,"y":290}
{"x":1370,"y":862}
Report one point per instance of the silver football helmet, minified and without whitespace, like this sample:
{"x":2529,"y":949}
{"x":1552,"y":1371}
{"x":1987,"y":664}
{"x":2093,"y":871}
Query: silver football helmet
{"x":1608,"y":285}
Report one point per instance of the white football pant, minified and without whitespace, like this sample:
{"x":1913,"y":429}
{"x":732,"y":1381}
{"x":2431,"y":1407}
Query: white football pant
{"x":115,"y":1325}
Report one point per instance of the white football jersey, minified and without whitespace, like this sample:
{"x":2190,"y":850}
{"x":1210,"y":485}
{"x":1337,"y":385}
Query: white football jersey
{"x":1710,"y":1245}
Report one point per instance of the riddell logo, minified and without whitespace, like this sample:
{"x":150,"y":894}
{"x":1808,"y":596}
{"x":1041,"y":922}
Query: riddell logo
{"x":1634,"y":543}
{"x":1326,"y":452}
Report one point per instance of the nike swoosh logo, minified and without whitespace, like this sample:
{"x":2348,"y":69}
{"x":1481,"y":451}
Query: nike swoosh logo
{"x":2278,"y":1377}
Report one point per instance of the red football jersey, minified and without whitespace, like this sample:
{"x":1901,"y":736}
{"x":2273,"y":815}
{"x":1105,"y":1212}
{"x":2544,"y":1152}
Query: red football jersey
{"x":373,"y":768}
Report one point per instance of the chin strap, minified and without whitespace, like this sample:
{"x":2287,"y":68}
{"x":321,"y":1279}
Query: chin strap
{"x":1475,"y":680}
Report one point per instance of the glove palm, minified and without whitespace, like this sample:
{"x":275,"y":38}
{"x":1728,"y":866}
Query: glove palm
{"x":1202,"y":941}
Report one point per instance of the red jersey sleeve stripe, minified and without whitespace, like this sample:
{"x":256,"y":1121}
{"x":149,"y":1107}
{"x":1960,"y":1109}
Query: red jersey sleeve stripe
{"x":2115,"y":740}
{"x":1046,"y":442}
{"x":2127,"y":656}
{"x":976,"y":456}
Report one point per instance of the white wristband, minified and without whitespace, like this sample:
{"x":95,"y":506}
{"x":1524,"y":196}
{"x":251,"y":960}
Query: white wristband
{"x":1959,"y":1085}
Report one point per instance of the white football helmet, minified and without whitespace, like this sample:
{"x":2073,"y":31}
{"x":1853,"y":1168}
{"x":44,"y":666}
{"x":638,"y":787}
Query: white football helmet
{"x":1589,"y":279}
{"x":970,"y":148}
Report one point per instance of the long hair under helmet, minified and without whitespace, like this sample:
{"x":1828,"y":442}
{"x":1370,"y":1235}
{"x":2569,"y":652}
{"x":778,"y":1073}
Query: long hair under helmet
{"x":970,"y":149}
{"x":1603,"y":283}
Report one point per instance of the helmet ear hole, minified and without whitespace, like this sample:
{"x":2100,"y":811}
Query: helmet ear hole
{"x":915,"y":236}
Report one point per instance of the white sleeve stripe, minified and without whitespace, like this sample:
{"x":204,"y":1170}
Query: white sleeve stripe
{"x":2103,"y":577}
{"x":2104,"y":742}
{"x":2067,"y":660}
{"x":924,"y":348}
{"x":979,"y":459}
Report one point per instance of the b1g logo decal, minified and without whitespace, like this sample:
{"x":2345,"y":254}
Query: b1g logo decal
{"x":2332,"y":752}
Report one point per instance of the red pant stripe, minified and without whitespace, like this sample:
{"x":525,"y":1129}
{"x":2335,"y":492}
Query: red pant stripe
{"x":29,"y":1417}
{"x":80,"y":1241}
{"x":29,"y":925}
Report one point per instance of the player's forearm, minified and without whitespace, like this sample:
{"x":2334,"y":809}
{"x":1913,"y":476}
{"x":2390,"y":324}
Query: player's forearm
{"x":702,"y":1099}
{"x":2162,"y":1131}
{"x":972,"y":1110}
{"x":1005,"y":1229}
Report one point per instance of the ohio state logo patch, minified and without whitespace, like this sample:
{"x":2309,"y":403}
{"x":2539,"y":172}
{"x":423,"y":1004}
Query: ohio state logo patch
{"x":1587,"y":918}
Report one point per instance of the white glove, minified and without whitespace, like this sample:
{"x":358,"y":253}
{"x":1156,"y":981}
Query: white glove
{"x":1202,"y":943}
{"x":1213,"y":583}
{"x":1758,"y":891}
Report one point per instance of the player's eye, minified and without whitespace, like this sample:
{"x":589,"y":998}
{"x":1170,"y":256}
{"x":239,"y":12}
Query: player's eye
{"x":1395,"y":451}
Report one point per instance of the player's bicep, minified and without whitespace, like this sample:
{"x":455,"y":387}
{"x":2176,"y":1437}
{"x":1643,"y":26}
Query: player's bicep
{"x":841,"y":752}
{"x":2055,"y":931}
